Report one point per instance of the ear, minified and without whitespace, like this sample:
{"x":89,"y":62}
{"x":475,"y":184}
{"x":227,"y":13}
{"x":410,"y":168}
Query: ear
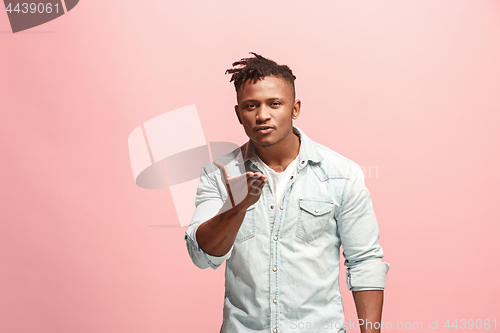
{"x":296,"y":109}
{"x":237,"y":113}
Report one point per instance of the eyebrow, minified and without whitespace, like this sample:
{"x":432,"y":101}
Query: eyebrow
{"x":256,"y":101}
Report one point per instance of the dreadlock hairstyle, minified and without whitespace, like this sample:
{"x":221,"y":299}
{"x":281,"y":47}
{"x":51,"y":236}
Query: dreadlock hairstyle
{"x":256,"y":68}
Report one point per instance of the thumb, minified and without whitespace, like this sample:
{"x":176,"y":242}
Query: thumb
{"x":225,"y":179}
{"x":223,"y":170}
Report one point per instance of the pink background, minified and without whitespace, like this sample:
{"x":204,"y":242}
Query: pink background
{"x":410,"y":88}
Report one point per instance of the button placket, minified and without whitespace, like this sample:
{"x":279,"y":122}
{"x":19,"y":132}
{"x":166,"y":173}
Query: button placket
{"x":274,"y":276}
{"x":268,"y":197}
{"x":277,"y":218}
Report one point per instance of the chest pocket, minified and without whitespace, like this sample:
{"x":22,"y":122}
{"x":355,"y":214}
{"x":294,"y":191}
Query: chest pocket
{"x":247,"y":228}
{"x":314,"y":215}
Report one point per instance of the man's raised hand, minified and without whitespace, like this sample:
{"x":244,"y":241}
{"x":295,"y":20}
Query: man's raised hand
{"x":244,"y":189}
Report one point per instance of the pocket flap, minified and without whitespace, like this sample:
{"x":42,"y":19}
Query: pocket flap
{"x":316,"y":207}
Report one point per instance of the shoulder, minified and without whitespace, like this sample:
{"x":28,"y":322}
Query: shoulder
{"x":334,"y":164}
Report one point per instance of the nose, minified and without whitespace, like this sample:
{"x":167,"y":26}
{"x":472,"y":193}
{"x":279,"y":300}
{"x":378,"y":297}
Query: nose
{"x":263,"y":114}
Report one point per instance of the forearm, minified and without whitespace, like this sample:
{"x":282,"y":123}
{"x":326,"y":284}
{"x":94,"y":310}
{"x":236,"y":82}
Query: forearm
{"x":369,"y":308}
{"x":216,"y":236}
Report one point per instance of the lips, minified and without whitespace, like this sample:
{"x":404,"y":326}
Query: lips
{"x":264,"y":129}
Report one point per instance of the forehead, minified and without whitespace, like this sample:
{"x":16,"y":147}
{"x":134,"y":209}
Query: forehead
{"x":265,"y":87}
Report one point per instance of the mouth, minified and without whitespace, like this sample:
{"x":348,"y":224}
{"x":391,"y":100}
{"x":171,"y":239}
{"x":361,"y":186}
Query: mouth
{"x":264,"y":129}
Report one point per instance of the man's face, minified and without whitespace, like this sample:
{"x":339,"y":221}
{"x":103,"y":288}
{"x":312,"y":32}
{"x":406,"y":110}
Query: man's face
{"x":266,"y":109}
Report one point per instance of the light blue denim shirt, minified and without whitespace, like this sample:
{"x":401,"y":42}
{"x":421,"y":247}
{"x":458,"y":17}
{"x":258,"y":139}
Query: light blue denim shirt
{"x":282,"y":273}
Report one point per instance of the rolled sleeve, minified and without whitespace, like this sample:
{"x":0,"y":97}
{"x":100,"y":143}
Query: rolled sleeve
{"x":200,"y":258}
{"x":369,"y":276}
{"x":359,"y":235}
{"x":208,"y":204}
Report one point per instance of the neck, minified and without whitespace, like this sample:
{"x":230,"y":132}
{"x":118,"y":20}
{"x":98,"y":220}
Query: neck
{"x":281,"y":154}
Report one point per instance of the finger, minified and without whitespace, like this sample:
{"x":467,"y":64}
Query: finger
{"x":223,"y":170}
{"x":225,"y":179}
{"x":258,"y":182}
{"x":249,"y":174}
{"x":259,"y":175}
{"x":256,"y":187}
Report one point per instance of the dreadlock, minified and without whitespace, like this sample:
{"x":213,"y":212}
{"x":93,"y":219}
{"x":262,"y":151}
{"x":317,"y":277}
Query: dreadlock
{"x":256,"y":68}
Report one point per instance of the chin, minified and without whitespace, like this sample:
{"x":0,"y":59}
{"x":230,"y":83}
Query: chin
{"x":265,"y":143}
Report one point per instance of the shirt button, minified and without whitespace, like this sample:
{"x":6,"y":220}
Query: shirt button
{"x":275,"y":331}
{"x":274,"y":269}
{"x":281,"y":207}
{"x":275,"y":300}
{"x":291,"y":177}
{"x":275,"y":238}
{"x":272,"y":207}
{"x":316,"y":210}
{"x":302,"y":162}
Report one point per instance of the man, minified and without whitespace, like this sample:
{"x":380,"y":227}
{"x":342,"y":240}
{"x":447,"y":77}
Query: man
{"x":279,"y":217}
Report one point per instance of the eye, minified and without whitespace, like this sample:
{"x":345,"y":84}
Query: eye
{"x":275,"y":103}
{"x":251,"y":106}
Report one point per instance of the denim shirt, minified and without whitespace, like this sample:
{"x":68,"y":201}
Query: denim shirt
{"x":282,"y":272}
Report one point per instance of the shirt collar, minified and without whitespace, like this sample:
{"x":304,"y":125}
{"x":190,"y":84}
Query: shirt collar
{"x":307,"y":150}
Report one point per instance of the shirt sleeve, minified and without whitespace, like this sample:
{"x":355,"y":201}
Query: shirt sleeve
{"x":359,"y":235}
{"x":208,"y":204}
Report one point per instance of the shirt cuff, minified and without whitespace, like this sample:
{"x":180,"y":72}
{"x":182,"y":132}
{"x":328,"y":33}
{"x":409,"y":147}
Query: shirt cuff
{"x":217,"y":261}
{"x":367,"y":276}
{"x":212,"y":261}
